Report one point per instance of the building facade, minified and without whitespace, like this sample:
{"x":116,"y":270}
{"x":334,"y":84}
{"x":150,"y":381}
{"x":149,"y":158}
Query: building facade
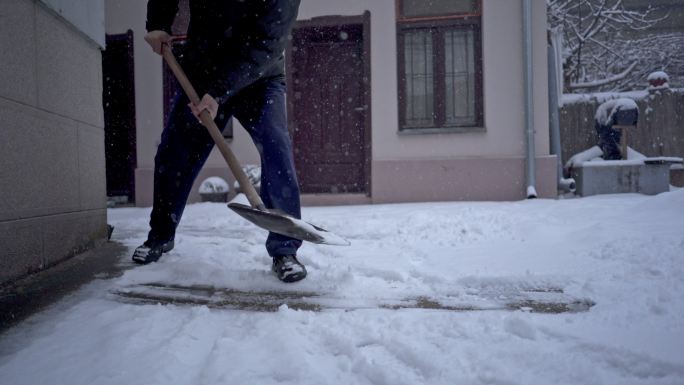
{"x":388,"y":101}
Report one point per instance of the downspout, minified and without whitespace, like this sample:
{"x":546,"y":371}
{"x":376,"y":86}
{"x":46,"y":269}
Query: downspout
{"x":564,"y":185}
{"x":529,"y":111}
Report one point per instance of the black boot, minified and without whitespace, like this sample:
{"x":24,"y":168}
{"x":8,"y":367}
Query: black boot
{"x":288,"y":269}
{"x":151,"y":251}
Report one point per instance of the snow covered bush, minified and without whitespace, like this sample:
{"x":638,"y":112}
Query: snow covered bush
{"x":214,"y":185}
{"x":214,"y":189}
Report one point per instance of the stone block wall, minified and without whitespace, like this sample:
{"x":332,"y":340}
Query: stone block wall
{"x":52,"y":164}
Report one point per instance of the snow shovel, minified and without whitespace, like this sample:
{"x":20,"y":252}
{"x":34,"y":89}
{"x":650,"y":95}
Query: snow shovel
{"x":271,"y":220}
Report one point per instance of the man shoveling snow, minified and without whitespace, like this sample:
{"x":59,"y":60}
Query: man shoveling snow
{"x":234,"y":56}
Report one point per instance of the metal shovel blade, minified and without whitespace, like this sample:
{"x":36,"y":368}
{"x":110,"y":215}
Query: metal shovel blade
{"x":286,"y":225}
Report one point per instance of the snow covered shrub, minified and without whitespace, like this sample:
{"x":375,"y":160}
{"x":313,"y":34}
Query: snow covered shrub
{"x":214,"y":189}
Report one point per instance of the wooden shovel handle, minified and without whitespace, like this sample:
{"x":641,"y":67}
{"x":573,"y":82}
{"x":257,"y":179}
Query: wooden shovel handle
{"x":208,"y":122}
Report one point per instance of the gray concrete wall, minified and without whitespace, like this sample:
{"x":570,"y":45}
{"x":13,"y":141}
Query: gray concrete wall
{"x":52,"y":166}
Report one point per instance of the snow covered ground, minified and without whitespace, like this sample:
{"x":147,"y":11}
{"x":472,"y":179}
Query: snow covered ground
{"x":625,"y":254}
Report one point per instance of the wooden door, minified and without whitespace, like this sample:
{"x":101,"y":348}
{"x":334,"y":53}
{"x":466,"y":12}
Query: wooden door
{"x":328,"y":107}
{"x":118,"y":100}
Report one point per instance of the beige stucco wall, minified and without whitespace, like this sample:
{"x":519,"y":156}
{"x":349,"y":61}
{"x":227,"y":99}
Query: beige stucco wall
{"x":52,"y":179}
{"x":443,"y":167}
{"x":503,"y":85}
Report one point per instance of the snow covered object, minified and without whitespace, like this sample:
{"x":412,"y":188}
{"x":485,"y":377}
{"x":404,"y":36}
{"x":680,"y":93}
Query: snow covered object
{"x":658,"y":80}
{"x":214,"y":184}
{"x":214,"y":189}
{"x":622,"y":112}
{"x":608,"y":114}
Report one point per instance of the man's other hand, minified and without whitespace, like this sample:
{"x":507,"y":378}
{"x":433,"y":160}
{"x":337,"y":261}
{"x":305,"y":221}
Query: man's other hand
{"x":207,"y":103}
{"x":156,"y":39}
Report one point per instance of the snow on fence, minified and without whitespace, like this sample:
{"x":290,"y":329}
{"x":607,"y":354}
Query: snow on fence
{"x":659,"y":132}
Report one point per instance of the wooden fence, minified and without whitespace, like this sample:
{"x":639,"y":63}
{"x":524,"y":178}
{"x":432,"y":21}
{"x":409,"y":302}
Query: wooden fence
{"x":659,"y":132}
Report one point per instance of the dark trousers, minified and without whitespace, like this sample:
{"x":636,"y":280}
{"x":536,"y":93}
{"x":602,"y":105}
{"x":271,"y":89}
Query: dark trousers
{"x":186,"y":144}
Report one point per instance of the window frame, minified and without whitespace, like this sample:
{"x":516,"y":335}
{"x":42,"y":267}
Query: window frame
{"x":399,"y":4}
{"x":438,"y":25}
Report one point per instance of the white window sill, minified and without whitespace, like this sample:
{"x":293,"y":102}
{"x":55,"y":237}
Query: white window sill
{"x":437,"y":130}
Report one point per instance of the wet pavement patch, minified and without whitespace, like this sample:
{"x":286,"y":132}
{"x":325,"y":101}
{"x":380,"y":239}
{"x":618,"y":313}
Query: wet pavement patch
{"x":31,"y":294}
{"x":536,"y":300}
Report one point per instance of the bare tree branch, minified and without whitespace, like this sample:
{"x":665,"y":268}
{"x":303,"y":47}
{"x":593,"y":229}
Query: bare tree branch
{"x":597,"y":52}
{"x":602,"y":82}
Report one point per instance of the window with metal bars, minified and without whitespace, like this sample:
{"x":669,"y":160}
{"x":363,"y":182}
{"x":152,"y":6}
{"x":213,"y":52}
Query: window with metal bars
{"x":440,"y":66}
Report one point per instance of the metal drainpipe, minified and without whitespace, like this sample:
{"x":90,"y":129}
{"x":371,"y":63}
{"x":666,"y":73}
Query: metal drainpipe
{"x":564,"y":185}
{"x":529,"y":111}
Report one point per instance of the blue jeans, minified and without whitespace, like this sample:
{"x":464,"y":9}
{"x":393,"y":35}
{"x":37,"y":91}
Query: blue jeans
{"x":186,"y":144}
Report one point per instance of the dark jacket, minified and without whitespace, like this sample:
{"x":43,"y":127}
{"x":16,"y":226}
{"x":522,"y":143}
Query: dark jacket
{"x":231,"y":43}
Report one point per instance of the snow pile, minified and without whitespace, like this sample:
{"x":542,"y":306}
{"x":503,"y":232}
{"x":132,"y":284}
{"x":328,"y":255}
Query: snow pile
{"x":606,"y":111}
{"x":593,"y":157}
{"x":622,"y":252}
{"x":588,"y":155}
